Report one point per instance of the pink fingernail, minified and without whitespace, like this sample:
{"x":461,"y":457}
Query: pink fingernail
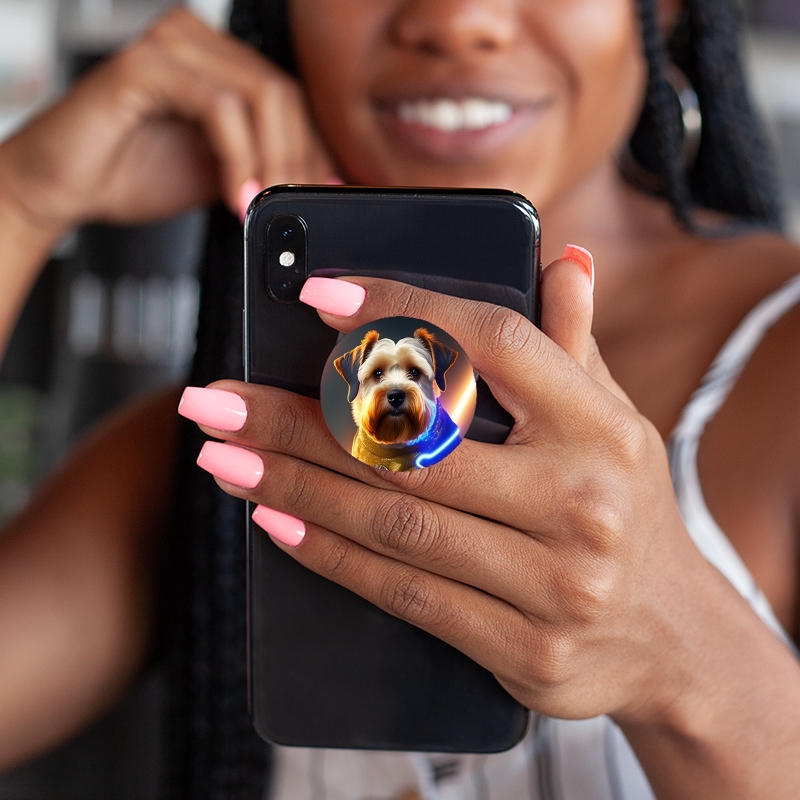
{"x":341,"y":298}
{"x":250,"y":188}
{"x":280,"y":526}
{"x":232,"y":464}
{"x":580,"y":255}
{"x":334,"y":180}
{"x":216,"y":408}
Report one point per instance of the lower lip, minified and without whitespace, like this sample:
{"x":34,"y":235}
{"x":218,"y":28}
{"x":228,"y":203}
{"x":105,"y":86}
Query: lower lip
{"x":462,"y":144}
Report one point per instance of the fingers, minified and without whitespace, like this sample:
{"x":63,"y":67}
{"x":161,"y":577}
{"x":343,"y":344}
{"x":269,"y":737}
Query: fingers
{"x":165,"y":86}
{"x":504,"y":347}
{"x":449,"y":610}
{"x":406,"y":528}
{"x":180,"y":117}
{"x":286,"y":147}
{"x":531,"y":377}
{"x":516,"y":485}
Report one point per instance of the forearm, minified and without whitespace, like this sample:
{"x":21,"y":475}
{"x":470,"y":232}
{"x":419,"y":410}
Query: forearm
{"x":77,"y":579}
{"x":733,"y":730}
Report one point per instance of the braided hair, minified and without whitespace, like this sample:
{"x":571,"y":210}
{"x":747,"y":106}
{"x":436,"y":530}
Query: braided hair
{"x":211,"y":749}
{"x":733,"y":172}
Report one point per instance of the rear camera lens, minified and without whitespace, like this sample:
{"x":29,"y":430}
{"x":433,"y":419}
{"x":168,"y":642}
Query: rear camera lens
{"x":286,"y":257}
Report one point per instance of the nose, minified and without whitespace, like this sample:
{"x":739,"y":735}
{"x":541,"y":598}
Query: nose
{"x":395,"y":398}
{"x":448,"y":27}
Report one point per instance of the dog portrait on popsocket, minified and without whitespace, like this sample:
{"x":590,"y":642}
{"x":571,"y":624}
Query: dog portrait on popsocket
{"x":398,"y":393}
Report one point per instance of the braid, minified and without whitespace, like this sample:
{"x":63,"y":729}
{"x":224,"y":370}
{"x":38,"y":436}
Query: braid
{"x":732,"y":173}
{"x":265,"y":25}
{"x":656,"y":143}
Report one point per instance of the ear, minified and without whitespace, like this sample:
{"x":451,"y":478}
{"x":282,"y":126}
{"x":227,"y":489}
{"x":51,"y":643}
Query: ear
{"x":442,"y":356}
{"x":348,"y":364}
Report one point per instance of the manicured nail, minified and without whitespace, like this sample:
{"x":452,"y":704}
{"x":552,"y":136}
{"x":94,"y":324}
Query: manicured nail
{"x":250,"y":188}
{"x":232,"y":464}
{"x":341,"y":298}
{"x":216,"y":408}
{"x":280,"y":526}
{"x":582,"y":256}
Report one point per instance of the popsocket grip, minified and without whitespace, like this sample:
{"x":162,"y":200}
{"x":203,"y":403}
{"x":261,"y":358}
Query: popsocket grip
{"x":398,"y":393}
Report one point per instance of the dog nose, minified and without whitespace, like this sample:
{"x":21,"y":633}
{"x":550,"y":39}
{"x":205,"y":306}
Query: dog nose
{"x":395,"y":398}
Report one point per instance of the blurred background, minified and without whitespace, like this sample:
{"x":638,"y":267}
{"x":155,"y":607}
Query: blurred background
{"x":114,"y":313}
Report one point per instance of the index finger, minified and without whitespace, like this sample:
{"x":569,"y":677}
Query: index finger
{"x":524,"y":368}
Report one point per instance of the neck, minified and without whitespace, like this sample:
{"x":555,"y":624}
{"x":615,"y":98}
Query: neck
{"x":631,"y":235}
{"x":606,"y":215}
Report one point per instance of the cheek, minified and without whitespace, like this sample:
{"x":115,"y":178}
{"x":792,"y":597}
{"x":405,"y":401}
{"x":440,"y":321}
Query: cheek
{"x":333,"y":41}
{"x":610,"y":73}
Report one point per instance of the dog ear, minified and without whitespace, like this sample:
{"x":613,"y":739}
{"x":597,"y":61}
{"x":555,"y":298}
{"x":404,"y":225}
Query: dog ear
{"x":442,"y":356}
{"x":367,"y":343}
{"x":347,"y":365}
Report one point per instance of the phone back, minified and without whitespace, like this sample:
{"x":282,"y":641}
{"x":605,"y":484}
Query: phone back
{"x":327,"y":668}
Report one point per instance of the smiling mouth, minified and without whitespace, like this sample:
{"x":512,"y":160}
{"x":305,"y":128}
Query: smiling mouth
{"x":450,"y":116}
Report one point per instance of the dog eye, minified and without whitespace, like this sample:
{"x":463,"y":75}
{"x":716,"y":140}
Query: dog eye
{"x":378,"y":374}
{"x":413,"y":372}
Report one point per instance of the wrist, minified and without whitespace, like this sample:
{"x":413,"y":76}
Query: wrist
{"x":724,"y":720}
{"x":25,"y":244}
{"x":22,"y":231}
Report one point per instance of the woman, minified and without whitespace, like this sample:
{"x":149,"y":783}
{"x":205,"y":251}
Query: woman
{"x":579,"y":583}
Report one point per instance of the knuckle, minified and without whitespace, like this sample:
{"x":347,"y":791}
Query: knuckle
{"x":275,"y":93}
{"x":131,"y":60}
{"x":408,"y":300}
{"x":405,"y":526}
{"x":224,"y":102}
{"x":594,"y":361}
{"x":131,"y":72}
{"x":411,"y":597}
{"x":287,"y":428}
{"x":552,"y":663}
{"x":506,"y":333}
{"x":168,"y":27}
{"x":334,"y":560}
{"x":300,"y":487}
{"x":589,"y":591}
{"x":594,"y":513}
{"x":627,"y":438}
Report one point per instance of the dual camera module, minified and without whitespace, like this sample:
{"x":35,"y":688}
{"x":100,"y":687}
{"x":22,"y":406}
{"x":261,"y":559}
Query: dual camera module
{"x":287,"y":243}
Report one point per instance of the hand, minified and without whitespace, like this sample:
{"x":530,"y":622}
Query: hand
{"x":551,"y":559}
{"x":177,"y":119}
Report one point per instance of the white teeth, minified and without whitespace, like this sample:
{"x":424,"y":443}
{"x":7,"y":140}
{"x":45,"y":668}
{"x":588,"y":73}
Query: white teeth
{"x":444,"y":114}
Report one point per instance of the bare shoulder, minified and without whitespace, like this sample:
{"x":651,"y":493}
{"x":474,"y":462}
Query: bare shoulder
{"x":760,"y":267}
{"x":765,"y":266}
{"x":755,"y":263}
{"x":749,"y":457}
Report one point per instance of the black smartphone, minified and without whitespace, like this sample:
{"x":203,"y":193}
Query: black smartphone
{"x":327,"y":668}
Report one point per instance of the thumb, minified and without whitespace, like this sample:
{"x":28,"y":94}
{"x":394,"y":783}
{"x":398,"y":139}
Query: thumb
{"x":567,"y":310}
{"x":568,"y":303}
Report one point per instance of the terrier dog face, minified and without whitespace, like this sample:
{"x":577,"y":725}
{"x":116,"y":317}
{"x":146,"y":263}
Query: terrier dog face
{"x":393,"y":386}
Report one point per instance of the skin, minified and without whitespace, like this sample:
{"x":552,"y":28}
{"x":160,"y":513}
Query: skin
{"x":589,"y":600}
